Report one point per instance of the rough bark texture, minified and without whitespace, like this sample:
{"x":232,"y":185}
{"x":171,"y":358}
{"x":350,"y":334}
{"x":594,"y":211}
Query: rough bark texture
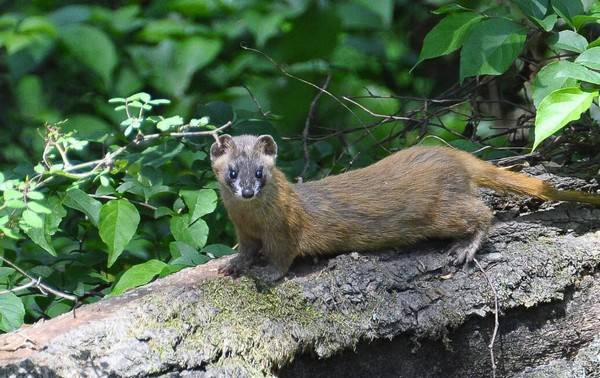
{"x":392,"y":313}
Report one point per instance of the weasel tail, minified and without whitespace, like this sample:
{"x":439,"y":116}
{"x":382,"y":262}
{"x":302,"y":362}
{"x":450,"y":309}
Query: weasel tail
{"x":501,"y":180}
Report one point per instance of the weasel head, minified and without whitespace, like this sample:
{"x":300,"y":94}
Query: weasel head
{"x":243,"y":164}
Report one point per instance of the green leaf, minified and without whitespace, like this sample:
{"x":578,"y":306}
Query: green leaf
{"x":218,"y":250}
{"x":567,"y":9}
{"x":32,"y":219}
{"x":168,"y":123}
{"x":558,"y":109}
{"x":547,"y":80}
{"x":582,"y":20}
{"x":35,"y":195}
{"x":171,"y":64}
{"x":491,"y":47}
{"x":92,"y":47}
{"x":546,"y":23}
{"x":590,"y":58}
{"x":578,"y":72}
{"x":118,"y":223}
{"x":568,"y":40}
{"x":12,"y":312}
{"x":79,"y":200}
{"x":50,"y":223}
{"x":37,"y":207}
{"x":138,"y":275}
{"x":10,"y":194}
{"x":192,"y":233}
{"x":448,"y":35}
{"x":199,"y":202}
{"x":534,"y":8}
{"x":15,"y":204}
{"x":185,"y":254}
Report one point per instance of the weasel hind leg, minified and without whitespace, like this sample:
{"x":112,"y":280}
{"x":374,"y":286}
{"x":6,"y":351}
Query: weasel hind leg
{"x":464,"y":251}
{"x":477,"y":219}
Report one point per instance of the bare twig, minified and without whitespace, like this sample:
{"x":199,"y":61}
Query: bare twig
{"x":496,"y":321}
{"x":385,"y":117}
{"x":38,"y":284}
{"x":309,"y":118}
{"x":256,"y":102}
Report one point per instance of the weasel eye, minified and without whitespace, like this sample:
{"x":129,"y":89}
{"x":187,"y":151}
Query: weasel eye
{"x":259,"y":173}
{"x":232,"y":173}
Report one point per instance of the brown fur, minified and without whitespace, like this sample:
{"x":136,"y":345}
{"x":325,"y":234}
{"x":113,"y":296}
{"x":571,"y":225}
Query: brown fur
{"x":415,"y":194}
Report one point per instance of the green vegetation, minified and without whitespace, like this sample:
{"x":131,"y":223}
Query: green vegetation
{"x":105,"y":185}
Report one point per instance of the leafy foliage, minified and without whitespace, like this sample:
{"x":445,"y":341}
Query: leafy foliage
{"x":491,"y":45}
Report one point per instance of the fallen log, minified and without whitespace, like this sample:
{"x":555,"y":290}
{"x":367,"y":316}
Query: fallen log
{"x":391,"y":313}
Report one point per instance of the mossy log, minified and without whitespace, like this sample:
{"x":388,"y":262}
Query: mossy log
{"x":402,"y":313}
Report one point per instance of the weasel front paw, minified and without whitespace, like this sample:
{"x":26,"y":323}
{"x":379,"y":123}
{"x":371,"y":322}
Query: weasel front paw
{"x":233,"y":267}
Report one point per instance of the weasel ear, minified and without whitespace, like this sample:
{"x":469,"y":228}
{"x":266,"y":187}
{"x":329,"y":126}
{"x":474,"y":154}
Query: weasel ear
{"x":267,"y":145}
{"x":224,"y":145}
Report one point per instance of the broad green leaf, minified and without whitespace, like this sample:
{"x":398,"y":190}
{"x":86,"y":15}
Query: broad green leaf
{"x":590,"y":58}
{"x":534,"y":8}
{"x":491,"y":47}
{"x":92,"y":47}
{"x":171,"y":64}
{"x":32,"y":219}
{"x":79,"y":200}
{"x":584,"y":19}
{"x":218,"y":250}
{"x":12,"y":312}
{"x":192,"y":233}
{"x":567,"y":9}
{"x":118,"y":223}
{"x":578,"y":72}
{"x":15,"y":204}
{"x":558,"y":109}
{"x":138,"y":275}
{"x":50,"y":222}
{"x":37,"y":207}
{"x":568,"y":40}
{"x":199,"y":202}
{"x":546,"y":23}
{"x":10,"y":194}
{"x":448,"y":35}
{"x":548,"y":80}
{"x":185,"y":254}
{"x":35,"y":195}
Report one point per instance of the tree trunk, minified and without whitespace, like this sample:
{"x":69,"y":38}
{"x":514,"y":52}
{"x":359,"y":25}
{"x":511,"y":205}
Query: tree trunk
{"x":393,"y":313}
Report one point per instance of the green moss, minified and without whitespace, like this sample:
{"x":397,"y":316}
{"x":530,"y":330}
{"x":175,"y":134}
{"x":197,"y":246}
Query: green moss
{"x":233,"y":320}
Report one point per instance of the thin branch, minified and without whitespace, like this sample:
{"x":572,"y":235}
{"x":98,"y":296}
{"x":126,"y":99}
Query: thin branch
{"x":496,"y":321}
{"x":305,"y":132}
{"x":256,"y":102}
{"x":385,"y":117}
{"x":108,"y":159}
{"x":37,"y":283}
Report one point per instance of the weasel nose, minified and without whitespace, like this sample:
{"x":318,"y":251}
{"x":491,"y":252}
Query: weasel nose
{"x":247,"y":193}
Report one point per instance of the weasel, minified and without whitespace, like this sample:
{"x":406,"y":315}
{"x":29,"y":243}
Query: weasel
{"x":415,"y":194}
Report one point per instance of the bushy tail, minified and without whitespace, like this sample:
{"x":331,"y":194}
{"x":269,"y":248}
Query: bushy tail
{"x":498,"y":179}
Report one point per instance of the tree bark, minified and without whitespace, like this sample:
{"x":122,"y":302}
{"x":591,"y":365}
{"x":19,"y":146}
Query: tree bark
{"x":391,"y":313}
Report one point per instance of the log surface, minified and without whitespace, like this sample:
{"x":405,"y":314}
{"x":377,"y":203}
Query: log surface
{"x":390,"y":313}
